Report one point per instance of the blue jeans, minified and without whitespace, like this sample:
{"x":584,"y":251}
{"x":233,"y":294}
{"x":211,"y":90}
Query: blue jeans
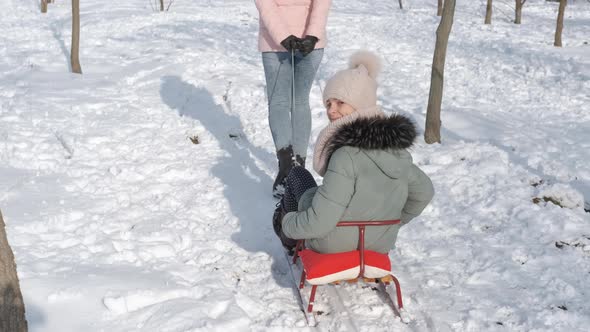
{"x":290,"y":122}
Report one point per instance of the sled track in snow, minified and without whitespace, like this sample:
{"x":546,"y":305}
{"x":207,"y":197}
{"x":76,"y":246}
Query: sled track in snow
{"x":338,"y":315}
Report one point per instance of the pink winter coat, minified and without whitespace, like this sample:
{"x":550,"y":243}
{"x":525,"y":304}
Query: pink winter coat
{"x":281,"y":18}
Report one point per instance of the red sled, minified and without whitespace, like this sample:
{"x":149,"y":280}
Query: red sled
{"x":320,"y":269}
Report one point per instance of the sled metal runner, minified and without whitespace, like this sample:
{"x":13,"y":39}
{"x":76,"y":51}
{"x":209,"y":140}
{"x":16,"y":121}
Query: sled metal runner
{"x":383,"y":281}
{"x":310,"y":317}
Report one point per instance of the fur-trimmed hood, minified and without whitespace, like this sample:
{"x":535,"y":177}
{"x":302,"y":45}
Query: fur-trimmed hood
{"x":377,"y":136}
{"x":375,"y":133}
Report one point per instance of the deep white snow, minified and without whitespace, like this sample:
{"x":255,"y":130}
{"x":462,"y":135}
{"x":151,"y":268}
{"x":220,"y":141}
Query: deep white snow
{"x":120,"y":223}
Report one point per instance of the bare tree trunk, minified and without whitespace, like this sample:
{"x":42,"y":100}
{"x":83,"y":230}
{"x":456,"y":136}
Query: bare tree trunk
{"x":559,"y":28}
{"x":12,"y":306}
{"x":161,"y":5}
{"x":518,"y":11}
{"x":74,"y":54}
{"x":401,"y":5}
{"x":432,"y":130}
{"x":489,"y":12}
{"x":44,"y":6}
{"x":440,"y":8}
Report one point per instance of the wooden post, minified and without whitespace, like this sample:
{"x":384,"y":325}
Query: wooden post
{"x":161,"y":5}
{"x":74,"y":53}
{"x":44,"y":6}
{"x":559,"y":29}
{"x":489,"y":12}
{"x":401,"y":5}
{"x":432,"y":130}
{"x":12,"y":306}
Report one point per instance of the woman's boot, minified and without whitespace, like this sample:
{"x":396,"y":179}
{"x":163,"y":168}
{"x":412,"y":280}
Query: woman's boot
{"x":300,"y":161}
{"x":285,"y":157}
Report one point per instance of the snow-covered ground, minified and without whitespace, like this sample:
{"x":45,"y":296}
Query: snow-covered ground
{"x":120,"y":223}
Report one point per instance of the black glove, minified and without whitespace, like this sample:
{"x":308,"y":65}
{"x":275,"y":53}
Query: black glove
{"x":291,"y":43}
{"x":307,"y":44}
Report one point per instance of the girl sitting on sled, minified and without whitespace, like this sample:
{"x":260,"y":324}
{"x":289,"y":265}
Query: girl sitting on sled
{"x":368,"y":173}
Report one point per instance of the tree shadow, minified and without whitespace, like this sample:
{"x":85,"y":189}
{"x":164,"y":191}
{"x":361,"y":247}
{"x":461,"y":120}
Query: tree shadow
{"x":244,"y":181}
{"x":35,"y":317}
{"x":56,"y":32}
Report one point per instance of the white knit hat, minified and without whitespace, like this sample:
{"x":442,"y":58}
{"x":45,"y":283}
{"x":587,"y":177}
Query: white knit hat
{"x":356,"y":86}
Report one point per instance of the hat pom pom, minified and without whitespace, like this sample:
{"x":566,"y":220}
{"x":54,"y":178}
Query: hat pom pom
{"x":368,"y":59}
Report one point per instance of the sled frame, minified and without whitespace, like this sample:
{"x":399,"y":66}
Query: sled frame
{"x":361,"y":248}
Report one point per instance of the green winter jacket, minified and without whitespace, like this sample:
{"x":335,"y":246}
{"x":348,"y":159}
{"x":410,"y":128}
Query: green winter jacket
{"x":370,"y":176}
